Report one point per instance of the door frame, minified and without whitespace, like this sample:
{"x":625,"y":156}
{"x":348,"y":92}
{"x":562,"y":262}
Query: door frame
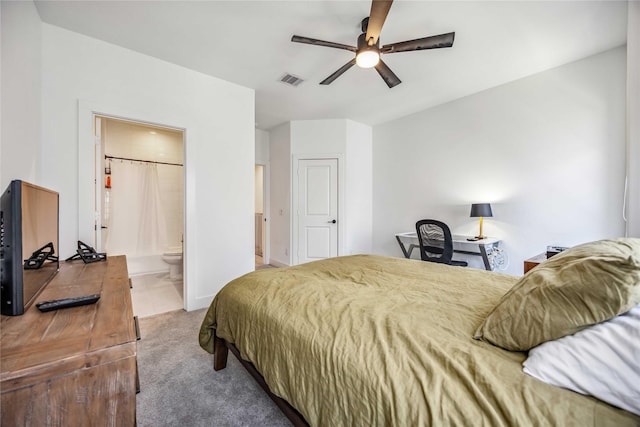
{"x":98,"y":149}
{"x":266,"y":207}
{"x":294,"y":244}
{"x":89,"y":186}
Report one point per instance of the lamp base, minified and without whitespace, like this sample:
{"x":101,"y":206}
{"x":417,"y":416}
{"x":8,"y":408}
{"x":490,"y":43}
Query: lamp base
{"x":480,"y":237}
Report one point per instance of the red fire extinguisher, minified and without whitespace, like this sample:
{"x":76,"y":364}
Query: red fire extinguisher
{"x":108,"y":185}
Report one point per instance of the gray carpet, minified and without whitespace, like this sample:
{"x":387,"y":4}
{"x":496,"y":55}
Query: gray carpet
{"x":180,"y":388}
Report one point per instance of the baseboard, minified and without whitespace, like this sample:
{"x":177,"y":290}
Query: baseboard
{"x":277,"y":263}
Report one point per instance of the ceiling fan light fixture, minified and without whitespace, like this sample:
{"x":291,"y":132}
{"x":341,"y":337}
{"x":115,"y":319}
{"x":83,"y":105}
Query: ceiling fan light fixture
{"x":367,"y":58}
{"x":367,"y":55}
{"x":368,"y":46}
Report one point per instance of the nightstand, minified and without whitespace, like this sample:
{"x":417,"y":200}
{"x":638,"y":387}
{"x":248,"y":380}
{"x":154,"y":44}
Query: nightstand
{"x":534,"y":261}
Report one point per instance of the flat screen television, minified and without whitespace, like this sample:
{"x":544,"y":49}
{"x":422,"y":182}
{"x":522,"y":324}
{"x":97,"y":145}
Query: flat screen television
{"x":28,"y":244}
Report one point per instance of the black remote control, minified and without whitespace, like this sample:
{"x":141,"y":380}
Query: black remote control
{"x":67,"y":302}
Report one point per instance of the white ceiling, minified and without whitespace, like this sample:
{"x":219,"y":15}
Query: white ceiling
{"x":248,"y":43}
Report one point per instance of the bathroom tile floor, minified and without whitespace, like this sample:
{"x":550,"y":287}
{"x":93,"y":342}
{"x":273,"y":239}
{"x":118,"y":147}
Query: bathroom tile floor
{"x":155,"y":293}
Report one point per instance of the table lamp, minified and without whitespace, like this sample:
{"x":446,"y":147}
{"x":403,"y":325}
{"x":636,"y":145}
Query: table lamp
{"x":481,"y":210}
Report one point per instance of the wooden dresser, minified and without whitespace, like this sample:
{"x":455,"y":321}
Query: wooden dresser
{"x":75,"y":366}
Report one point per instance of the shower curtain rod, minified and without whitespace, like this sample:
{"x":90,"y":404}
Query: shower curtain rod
{"x":144,"y":161}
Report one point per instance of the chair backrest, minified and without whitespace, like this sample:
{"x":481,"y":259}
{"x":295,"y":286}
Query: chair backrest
{"x":436,"y":243}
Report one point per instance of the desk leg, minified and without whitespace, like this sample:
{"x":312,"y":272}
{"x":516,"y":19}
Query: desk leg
{"x":404,"y":250}
{"x":485,"y":255}
{"x":407,"y":253}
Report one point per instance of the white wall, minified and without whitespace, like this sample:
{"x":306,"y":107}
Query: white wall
{"x":318,"y":136}
{"x":280,"y":184}
{"x":83,"y":75}
{"x":633,"y":119}
{"x":318,"y":139}
{"x":359,"y":188}
{"x":21,"y":46}
{"x":262,"y":159}
{"x":262,"y":147}
{"x":547,"y":151}
{"x":351,"y":143}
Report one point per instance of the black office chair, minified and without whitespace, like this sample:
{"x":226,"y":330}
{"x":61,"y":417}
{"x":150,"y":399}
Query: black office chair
{"x":436,"y":243}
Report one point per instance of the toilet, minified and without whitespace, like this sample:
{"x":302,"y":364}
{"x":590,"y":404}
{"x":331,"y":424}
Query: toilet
{"x":173,"y":257}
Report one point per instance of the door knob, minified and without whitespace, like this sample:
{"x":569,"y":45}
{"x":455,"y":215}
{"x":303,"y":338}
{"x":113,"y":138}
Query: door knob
{"x":333,"y":221}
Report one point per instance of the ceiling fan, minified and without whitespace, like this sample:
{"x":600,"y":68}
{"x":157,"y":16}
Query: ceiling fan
{"x":368,"y":48}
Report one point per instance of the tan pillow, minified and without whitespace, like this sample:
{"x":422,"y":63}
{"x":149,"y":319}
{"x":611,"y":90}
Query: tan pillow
{"x":581,"y":286}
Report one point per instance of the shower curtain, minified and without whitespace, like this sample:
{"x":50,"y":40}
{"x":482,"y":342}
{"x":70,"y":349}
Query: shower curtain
{"x":136,"y":224}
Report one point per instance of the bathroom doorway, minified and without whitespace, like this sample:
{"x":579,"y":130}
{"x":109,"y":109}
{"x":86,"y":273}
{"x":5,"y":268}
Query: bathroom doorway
{"x":262,"y":257}
{"x":141,"y":211}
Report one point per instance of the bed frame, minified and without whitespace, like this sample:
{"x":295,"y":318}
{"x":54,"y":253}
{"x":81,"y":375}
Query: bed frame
{"x":221,"y":351}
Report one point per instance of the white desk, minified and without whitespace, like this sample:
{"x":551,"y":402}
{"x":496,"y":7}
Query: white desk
{"x":409,"y":241}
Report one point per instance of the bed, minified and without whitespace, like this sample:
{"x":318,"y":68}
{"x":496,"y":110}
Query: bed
{"x":381,"y":341}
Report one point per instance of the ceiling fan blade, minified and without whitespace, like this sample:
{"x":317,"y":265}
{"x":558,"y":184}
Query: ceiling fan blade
{"x":339,"y":72}
{"x":377,"y":16}
{"x":387,"y":75}
{"x":432,"y":42}
{"x":307,"y":40}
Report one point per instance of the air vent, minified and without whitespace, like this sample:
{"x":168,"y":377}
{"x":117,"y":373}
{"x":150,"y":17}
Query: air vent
{"x":291,"y":79}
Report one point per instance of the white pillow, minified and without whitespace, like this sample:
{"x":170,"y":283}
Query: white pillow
{"x":602,"y":360}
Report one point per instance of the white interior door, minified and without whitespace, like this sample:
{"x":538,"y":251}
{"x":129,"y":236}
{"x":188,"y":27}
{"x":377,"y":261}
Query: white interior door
{"x":317,"y":209}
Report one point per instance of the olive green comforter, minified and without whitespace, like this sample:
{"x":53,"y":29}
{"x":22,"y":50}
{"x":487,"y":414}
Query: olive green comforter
{"x":366,"y":340}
